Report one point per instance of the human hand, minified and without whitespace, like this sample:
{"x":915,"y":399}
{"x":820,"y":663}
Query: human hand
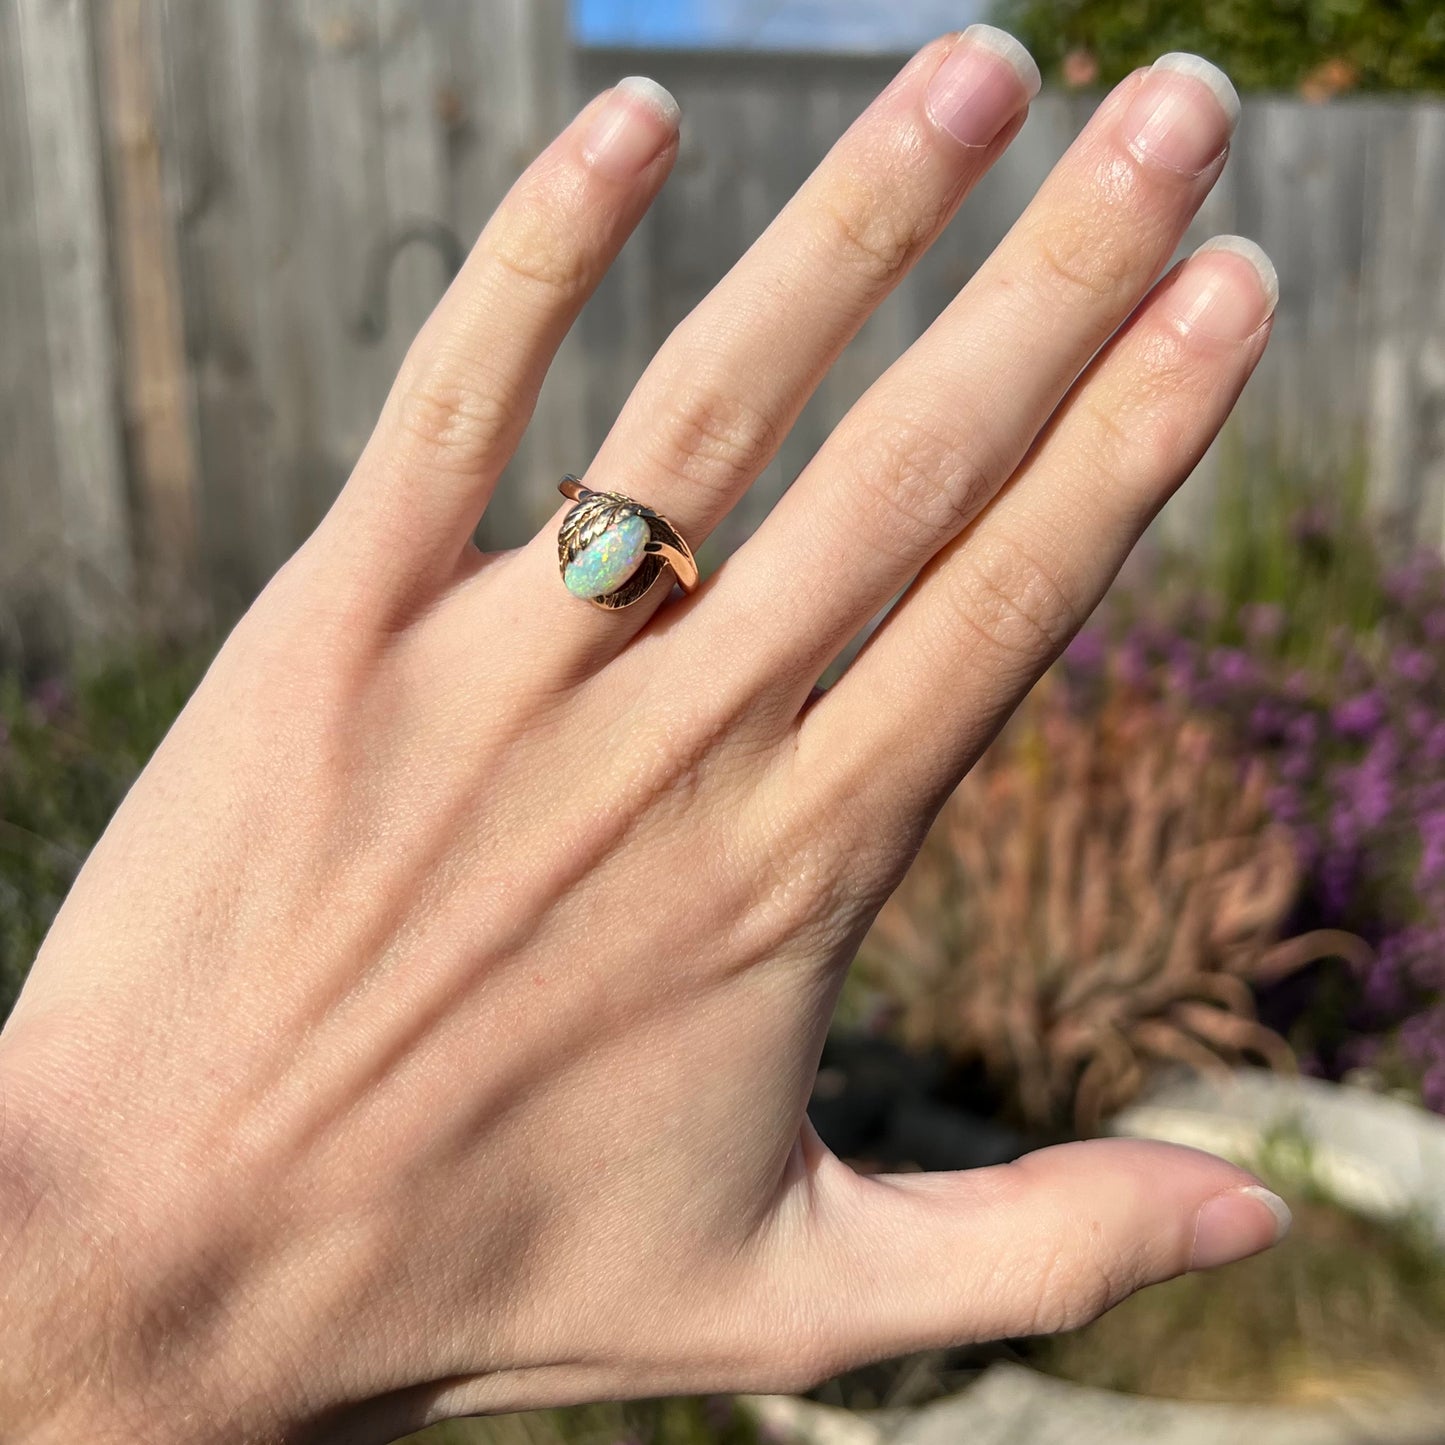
{"x":432,"y":1029}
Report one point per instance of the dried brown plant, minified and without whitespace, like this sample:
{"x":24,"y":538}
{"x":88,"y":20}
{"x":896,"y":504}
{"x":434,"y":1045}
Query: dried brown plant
{"x":1099,"y":896}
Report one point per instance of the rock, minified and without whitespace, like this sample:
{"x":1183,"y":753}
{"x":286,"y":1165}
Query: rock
{"x":1014,"y":1406}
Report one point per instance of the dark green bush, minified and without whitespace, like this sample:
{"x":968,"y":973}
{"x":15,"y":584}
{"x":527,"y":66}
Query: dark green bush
{"x":1264,"y":44}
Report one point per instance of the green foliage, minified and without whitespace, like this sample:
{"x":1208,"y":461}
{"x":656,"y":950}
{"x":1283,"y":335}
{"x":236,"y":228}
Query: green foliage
{"x":1278,"y":547}
{"x":1263,"y":44}
{"x":1278,"y":542}
{"x":68,"y":752}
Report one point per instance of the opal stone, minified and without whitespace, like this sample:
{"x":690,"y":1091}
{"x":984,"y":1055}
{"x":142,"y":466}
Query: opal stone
{"x":609,"y":560}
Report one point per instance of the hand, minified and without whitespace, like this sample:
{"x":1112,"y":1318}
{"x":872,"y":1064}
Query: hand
{"x":431,"y":1030}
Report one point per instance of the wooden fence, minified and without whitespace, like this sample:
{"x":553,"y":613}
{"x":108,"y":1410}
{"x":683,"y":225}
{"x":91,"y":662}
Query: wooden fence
{"x":221,"y":223}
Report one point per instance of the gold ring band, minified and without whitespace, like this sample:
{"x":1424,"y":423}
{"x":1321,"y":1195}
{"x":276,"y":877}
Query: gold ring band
{"x":611,"y":549}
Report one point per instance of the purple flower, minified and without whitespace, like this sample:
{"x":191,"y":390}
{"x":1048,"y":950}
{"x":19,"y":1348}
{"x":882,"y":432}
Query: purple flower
{"x":1179,"y":652}
{"x":1374,"y":798}
{"x":1231,"y":666}
{"x":1180,"y":679}
{"x":1299,"y":685}
{"x":1267,"y":720}
{"x":1302,"y":730}
{"x":1285,"y":804}
{"x":1411,"y":584}
{"x":1262,"y":621}
{"x":1087,"y":651}
{"x":1134,"y":664}
{"x":1337,"y":882}
{"x":1382,"y":989}
{"x":1312,"y":524}
{"x":1416,"y":1033}
{"x":1360,"y":715}
{"x":1356,"y":672}
{"x":1297,"y":766}
{"x":1419,"y":720}
{"x":50,"y":698}
{"x":1434,"y":748}
{"x":1420,"y":952}
{"x":1413,"y":664}
{"x":1432,"y":850}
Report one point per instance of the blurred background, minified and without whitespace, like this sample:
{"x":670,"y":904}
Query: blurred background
{"x":1196,"y":890}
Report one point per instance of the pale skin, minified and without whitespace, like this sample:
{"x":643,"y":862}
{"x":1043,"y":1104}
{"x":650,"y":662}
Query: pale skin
{"x":432,"y":1029}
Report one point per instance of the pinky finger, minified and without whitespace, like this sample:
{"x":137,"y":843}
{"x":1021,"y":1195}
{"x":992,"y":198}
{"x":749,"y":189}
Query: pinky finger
{"x":992,"y":610}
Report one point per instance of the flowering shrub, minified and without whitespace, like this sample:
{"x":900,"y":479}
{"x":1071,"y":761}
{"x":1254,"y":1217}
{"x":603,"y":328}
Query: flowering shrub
{"x":1096,"y":898}
{"x":1349,"y":715}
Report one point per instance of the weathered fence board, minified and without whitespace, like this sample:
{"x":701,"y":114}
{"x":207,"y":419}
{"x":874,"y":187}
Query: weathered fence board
{"x":93,"y":573}
{"x":221,"y":224}
{"x":154,"y":380}
{"x":29,"y":517}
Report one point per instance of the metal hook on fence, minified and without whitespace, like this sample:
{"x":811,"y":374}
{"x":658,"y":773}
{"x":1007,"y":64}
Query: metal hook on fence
{"x":372,"y":322}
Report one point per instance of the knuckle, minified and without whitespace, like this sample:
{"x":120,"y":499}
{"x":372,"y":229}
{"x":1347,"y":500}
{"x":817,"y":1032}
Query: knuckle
{"x":792,"y":880}
{"x":917,"y":484}
{"x":871,"y":233}
{"x":1073,"y":265}
{"x":533,"y":247}
{"x":1139,"y":447}
{"x":708,"y":435}
{"x":798,"y":895}
{"x":1142,"y":426}
{"x":454,"y":423}
{"x":1012,"y":602}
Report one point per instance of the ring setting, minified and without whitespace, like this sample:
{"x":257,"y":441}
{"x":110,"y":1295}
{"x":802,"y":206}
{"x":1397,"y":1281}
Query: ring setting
{"x":611,"y":549}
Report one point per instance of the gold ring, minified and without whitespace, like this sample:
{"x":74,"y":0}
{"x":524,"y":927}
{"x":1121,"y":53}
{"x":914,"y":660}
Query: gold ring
{"x":612,"y":549}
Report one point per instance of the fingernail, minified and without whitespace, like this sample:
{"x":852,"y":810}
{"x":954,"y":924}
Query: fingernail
{"x":1235,"y":1225}
{"x":1184,"y":114}
{"x":983,"y":82}
{"x":635,"y":122}
{"x":1227,"y":289}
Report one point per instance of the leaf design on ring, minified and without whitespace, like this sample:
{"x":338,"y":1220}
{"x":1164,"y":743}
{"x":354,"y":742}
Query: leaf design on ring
{"x":607,"y":541}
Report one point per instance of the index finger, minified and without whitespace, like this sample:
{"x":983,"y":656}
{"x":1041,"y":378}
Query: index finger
{"x":467,"y":387}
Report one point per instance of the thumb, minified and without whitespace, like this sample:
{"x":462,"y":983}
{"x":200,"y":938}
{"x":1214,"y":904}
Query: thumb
{"x":897,"y":1263}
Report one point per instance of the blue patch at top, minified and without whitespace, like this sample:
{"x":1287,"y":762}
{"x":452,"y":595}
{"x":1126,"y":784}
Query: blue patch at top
{"x":829,"y":25}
